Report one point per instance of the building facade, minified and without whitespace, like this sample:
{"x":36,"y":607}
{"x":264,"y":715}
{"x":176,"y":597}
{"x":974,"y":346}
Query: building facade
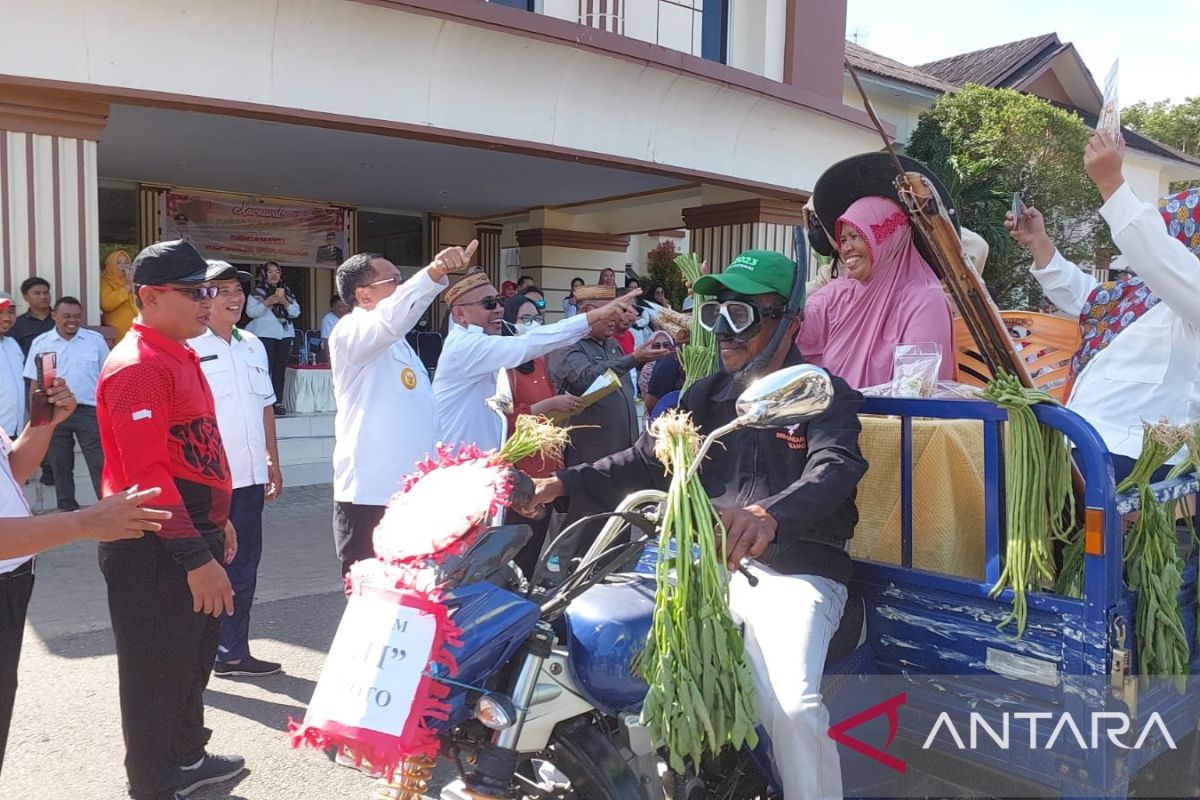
{"x":566,"y":135}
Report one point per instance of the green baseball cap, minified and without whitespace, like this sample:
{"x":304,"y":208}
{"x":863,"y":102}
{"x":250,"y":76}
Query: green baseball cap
{"x":753,"y":272}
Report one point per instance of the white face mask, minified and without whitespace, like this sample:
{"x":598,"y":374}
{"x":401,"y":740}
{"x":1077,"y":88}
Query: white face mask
{"x":526,"y":327}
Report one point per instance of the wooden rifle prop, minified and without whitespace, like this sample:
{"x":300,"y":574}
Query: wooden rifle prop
{"x":932,"y":225}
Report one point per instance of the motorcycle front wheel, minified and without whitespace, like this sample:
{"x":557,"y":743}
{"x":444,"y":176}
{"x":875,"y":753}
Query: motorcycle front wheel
{"x":581,"y":763}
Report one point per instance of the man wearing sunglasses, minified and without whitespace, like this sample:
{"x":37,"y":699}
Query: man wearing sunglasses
{"x":167,"y":592}
{"x":475,"y":352}
{"x":386,"y":415}
{"x":786,"y":498}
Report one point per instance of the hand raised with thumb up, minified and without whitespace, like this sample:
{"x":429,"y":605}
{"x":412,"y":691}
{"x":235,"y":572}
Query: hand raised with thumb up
{"x":452,"y":260}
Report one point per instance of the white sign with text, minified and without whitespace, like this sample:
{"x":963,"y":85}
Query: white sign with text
{"x":374,"y":666}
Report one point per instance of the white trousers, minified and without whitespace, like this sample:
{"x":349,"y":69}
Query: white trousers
{"x":789,"y":621}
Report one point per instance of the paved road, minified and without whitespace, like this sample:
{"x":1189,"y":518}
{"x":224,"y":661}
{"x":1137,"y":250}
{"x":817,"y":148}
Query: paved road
{"x":66,"y":737}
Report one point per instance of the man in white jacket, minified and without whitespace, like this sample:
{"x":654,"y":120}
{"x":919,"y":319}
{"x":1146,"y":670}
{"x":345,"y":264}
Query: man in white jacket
{"x":386,"y":417}
{"x":475,"y":352}
{"x":1140,"y":353}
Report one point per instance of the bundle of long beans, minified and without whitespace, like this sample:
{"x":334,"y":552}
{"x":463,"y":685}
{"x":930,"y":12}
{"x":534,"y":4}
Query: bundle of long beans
{"x":1153,"y":566}
{"x":1040,"y":501}
{"x":1190,"y":464}
{"x":701,"y":695}
{"x":699,"y":356}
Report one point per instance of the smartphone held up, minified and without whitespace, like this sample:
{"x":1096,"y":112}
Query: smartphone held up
{"x":41,"y":410}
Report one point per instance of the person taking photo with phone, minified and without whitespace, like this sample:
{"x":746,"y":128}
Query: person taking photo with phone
{"x":271,"y":308}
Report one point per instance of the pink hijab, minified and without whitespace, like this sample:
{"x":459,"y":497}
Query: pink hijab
{"x":852,"y":328}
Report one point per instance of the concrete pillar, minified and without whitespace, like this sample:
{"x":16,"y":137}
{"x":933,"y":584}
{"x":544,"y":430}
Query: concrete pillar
{"x":49,"y":218}
{"x":552,"y":257}
{"x":719,"y":232}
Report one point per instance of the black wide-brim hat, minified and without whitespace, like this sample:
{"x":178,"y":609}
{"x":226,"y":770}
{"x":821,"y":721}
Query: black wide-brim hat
{"x":869,"y":175}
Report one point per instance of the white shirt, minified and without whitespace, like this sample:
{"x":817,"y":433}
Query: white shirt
{"x":386,"y":415}
{"x":327,"y":323}
{"x":265,"y":324}
{"x":466,"y":375}
{"x":1151,"y":370}
{"x":12,"y":386}
{"x":12,"y":500}
{"x":240,"y":380}
{"x":79,"y":361}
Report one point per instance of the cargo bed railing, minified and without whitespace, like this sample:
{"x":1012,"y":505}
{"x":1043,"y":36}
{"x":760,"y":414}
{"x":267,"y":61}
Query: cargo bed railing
{"x":1103,"y":587}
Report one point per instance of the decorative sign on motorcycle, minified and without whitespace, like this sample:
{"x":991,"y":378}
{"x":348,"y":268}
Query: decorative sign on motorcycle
{"x":377,"y":699}
{"x":374,"y":692}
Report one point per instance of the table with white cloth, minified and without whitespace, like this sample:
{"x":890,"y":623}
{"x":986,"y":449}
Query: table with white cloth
{"x":309,"y":390}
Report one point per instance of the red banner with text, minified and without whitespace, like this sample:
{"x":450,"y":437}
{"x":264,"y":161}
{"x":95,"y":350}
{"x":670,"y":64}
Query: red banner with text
{"x":255,"y":230}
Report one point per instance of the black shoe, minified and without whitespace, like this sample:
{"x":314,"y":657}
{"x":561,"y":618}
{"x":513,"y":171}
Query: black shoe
{"x":248,"y":667}
{"x":68,"y":506}
{"x":280,"y":411}
{"x":213,"y":769}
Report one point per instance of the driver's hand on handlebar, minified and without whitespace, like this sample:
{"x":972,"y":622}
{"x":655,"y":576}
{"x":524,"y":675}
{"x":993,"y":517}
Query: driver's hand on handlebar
{"x":748,"y":531}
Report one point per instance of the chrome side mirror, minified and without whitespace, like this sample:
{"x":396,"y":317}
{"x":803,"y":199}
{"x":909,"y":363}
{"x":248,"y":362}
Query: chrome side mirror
{"x":788,"y":396}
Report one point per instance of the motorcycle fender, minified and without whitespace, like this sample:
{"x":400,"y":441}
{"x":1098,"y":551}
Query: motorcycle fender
{"x":556,"y":698}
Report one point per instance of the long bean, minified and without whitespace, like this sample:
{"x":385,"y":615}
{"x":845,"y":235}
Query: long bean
{"x":699,"y":356}
{"x":1040,"y":503}
{"x":701,"y":696}
{"x":1153,"y":565}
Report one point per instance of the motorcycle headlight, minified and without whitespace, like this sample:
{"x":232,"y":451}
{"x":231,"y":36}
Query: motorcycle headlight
{"x":495,"y":711}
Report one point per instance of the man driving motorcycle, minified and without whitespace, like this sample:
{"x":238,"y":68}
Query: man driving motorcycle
{"x":786,"y":497}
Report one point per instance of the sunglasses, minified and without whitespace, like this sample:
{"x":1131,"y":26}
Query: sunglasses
{"x":488,"y":303}
{"x":739,"y":314}
{"x":396,"y":279}
{"x":196,"y":293}
{"x":539,"y":303}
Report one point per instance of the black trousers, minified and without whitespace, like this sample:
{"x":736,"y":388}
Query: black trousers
{"x":81,"y":426}
{"x":353,"y":529}
{"x":278,"y":353}
{"x":527,"y":557}
{"x":15,"y":589}
{"x":165,"y":654}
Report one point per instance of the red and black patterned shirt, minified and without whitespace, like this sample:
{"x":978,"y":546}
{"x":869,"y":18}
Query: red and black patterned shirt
{"x":158,"y":427}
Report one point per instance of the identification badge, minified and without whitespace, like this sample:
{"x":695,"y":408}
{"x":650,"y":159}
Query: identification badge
{"x":408,"y":378}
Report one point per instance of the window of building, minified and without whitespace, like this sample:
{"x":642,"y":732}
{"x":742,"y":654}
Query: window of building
{"x":524,"y":5}
{"x":714,"y":34}
{"x":118,"y":212}
{"x":400,"y":238}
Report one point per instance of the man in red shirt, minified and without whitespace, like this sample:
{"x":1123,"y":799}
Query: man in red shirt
{"x":166,"y":592}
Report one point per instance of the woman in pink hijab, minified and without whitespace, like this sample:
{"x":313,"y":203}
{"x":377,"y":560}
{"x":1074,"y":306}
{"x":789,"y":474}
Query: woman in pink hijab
{"x":887,"y":295}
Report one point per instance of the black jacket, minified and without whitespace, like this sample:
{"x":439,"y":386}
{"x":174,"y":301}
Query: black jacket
{"x":805,"y":476}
